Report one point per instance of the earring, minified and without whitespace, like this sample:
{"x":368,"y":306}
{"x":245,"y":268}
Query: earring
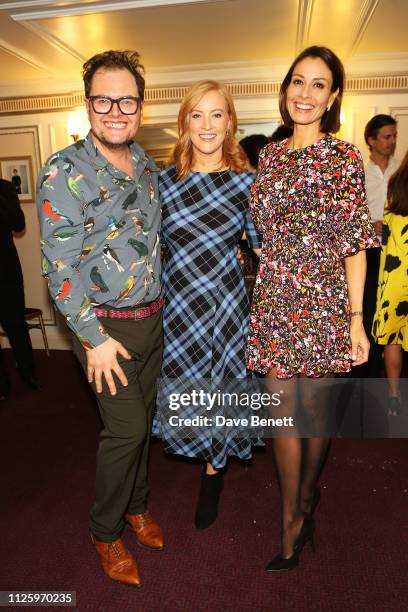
{"x":328,"y":108}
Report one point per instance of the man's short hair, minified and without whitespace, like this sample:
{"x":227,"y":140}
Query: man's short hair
{"x":375,"y":124}
{"x":114,"y":60}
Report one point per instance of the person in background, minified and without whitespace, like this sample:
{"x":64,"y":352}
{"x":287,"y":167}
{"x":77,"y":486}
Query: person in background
{"x":252,"y":145}
{"x":205,"y":211}
{"x":99,"y":214}
{"x":308,"y":201}
{"x":16,"y":180}
{"x":12,"y":303}
{"x":381,"y":136}
{"x":390,"y":326}
{"x":281,"y":133}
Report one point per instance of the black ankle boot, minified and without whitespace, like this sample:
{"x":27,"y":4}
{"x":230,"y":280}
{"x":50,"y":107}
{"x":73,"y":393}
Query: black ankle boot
{"x":207,"y":505}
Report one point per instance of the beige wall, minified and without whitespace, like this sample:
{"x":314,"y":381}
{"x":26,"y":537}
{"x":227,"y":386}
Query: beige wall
{"x":40,"y":134}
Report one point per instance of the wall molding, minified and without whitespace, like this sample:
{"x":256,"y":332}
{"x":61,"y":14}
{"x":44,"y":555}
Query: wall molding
{"x":174,"y":94}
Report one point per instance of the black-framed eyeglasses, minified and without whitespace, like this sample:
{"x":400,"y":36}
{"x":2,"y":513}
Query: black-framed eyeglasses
{"x":128,"y":105}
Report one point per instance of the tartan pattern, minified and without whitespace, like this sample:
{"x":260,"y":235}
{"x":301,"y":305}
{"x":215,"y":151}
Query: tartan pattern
{"x":207,"y":307}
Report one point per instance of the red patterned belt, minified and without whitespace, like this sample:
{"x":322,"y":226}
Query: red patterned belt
{"x":136,"y":312}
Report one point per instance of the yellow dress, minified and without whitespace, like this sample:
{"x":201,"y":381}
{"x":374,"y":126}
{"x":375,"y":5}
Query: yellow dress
{"x":390,"y":324}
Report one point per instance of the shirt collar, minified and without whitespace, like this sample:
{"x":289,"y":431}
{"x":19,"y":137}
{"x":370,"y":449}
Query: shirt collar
{"x":138,"y":154}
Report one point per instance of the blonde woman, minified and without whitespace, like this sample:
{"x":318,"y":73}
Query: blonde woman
{"x":205,"y":211}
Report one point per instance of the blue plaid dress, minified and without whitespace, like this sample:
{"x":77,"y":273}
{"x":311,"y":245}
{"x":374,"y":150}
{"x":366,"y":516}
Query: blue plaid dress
{"x":207,"y":307}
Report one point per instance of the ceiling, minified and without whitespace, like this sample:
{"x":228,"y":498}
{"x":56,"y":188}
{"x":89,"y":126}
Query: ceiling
{"x":44,"y":43}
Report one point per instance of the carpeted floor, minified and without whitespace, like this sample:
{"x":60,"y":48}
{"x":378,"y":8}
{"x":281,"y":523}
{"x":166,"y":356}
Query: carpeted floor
{"x":47,"y":448}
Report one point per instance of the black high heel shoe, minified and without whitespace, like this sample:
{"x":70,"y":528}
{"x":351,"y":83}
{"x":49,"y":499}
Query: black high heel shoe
{"x":282,"y":564}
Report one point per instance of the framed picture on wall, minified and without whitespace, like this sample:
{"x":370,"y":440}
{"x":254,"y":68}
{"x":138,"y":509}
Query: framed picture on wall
{"x":19,"y":170}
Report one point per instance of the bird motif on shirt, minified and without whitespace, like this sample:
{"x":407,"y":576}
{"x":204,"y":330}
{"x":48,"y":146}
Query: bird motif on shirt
{"x":89,"y":225}
{"x":47,"y":243}
{"x":97,"y":280}
{"x":126,"y":288}
{"x":120,"y":182}
{"x":139,"y":247}
{"x":53,"y":214}
{"x":112,"y":256}
{"x":130,"y":201}
{"x":114,"y":226}
{"x":64,"y":291}
{"x":74,"y":187}
{"x":84,"y":308}
{"x":141,"y":227}
{"x":104,"y":196}
{"x":48,"y":176}
{"x":45,"y":265}
{"x":60,"y":265}
{"x":87,"y":250}
{"x":63,"y":236}
{"x":85,"y":342}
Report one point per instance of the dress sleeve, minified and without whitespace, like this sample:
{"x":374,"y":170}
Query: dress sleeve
{"x":60,"y":211}
{"x":351,"y":222}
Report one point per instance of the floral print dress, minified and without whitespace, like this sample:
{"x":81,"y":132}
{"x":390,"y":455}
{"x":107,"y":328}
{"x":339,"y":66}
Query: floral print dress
{"x":310,"y":206}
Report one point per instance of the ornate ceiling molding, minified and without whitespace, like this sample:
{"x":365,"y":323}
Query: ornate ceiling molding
{"x":23,"y":56}
{"x":64,"y":9}
{"x":363,"y":19}
{"x":56,"y":42}
{"x":174,"y":94}
{"x":305,"y":14}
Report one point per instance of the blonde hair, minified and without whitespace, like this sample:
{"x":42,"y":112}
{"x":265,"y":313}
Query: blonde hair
{"x":233,"y":155}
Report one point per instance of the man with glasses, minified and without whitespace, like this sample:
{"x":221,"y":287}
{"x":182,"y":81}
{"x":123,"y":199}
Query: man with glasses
{"x":99,"y":214}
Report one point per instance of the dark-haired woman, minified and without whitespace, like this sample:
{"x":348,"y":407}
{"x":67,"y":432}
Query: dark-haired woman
{"x":390,"y":327}
{"x":309,"y":203}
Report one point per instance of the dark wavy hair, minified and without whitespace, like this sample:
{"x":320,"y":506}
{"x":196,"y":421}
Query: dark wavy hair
{"x":374,"y":126}
{"x":114,"y":60}
{"x":398,"y":190}
{"x":330,"y":121}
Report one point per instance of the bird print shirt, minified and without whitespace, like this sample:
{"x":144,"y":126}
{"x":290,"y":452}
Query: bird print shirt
{"x":99,"y":234}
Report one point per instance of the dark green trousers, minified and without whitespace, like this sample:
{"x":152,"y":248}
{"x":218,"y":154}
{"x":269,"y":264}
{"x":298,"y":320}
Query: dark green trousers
{"x":121,"y":468}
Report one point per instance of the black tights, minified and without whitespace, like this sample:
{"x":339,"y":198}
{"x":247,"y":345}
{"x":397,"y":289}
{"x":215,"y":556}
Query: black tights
{"x":299,"y":460}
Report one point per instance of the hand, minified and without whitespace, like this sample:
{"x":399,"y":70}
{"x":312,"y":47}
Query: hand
{"x":241,"y":256}
{"x":378,"y":228}
{"x":102,"y":360}
{"x":360,"y":345}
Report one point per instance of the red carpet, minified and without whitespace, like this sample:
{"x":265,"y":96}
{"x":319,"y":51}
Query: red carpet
{"x":47,"y":452}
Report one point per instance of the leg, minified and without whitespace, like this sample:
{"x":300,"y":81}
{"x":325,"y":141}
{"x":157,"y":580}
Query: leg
{"x":13,"y":322}
{"x":4,"y":379}
{"x":373,"y":368}
{"x":315,"y":394}
{"x":288,"y":461}
{"x":122,"y":453}
{"x":393,"y":359}
{"x":148,"y":374}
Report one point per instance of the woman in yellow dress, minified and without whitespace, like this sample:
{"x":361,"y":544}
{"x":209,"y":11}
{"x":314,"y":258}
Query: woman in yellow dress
{"x":390,"y":326}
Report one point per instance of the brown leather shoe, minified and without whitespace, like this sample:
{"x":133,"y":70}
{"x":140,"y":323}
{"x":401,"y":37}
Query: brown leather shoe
{"x":148,"y":532}
{"x":117,"y":562}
